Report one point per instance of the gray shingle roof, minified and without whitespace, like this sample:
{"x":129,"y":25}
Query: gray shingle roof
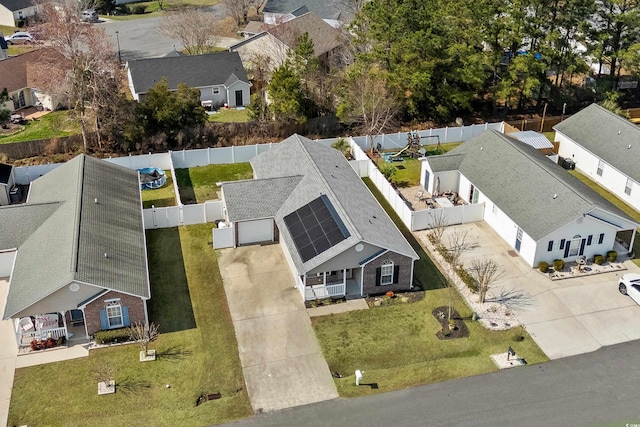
{"x":70,"y":242}
{"x":326,"y":9}
{"x":522,"y":182}
{"x":14,"y":5}
{"x":194,"y":70}
{"x":260,"y":198}
{"x":326,"y":171}
{"x":606,"y":135}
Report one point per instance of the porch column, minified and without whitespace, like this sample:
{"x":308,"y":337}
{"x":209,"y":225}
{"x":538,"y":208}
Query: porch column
{"x":324,"y":278}
{"x":64,"y":322}
{"x":344,"y":279}
{"x":633,"y":238}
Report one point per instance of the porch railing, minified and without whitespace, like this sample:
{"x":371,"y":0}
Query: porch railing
{"x":328,"y":291}
{"x":25,"y":338}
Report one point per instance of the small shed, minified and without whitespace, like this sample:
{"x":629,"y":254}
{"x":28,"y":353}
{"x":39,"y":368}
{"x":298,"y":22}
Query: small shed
{"x":7,"y":181}
{"x":534,"y":139}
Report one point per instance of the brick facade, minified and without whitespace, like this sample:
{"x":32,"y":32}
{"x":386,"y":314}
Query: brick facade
{"x":92,"y":310}
{"x":370,"y":287}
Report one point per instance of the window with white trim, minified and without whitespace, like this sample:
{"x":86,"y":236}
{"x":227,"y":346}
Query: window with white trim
{"x":114,"y":315}
{"x":386,"y":273}
{"x":215,"y":90}
{"x":600,"y":167}
{"x":627,"y":187}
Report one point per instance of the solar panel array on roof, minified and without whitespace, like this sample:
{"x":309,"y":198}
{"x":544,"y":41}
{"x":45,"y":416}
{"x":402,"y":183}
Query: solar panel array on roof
{"x":315,"y":227}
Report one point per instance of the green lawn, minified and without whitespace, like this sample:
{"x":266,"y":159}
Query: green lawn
{"x":54,"y":124}
{"x":425,"y":273}
{"x":634,"y":214}
{"x":198,"y":184}
{"x":230,"y":115}
{"x":187,"y":292}
{"x":396,"y":346}
{"x":160,"y":197}
{"x":408,"y":174}
{"x":153,"y":8}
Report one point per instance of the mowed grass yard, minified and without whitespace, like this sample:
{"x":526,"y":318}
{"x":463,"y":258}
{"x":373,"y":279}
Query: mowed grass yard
{"x":396,"y":346}
{"x":408,"y":174}
{"x":197,"y":353}
{"x":197,"y":185}
{"x":160,"y":197}
{"x":54,"y":124}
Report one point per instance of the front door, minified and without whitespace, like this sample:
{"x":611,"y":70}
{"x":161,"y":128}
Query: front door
{"x":239,"y":102}
{"x":426,"y":180}
{"x":518,"y":239}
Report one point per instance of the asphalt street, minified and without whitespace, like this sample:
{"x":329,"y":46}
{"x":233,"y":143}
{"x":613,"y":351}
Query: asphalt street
{"x":586,"y":390}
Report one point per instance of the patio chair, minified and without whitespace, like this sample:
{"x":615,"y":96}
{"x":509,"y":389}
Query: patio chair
{"x":26,"y":324}
{"x":418,"y":195}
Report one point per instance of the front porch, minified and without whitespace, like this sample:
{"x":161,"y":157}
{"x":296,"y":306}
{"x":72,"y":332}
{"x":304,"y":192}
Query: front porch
{"x":331,"y":284}
{"x":50,"y":330}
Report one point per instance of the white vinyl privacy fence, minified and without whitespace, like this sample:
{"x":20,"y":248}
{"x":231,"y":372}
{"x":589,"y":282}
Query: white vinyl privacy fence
{"x":172,"y":216}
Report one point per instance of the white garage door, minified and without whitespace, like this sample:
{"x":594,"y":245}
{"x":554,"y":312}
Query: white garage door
{"x":260,"y":230}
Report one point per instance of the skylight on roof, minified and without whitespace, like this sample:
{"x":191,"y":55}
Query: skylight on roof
{"x":315,"y":227}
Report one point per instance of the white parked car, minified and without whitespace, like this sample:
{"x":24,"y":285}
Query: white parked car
{"x":19,"y":37}
{"x":629,"y":284}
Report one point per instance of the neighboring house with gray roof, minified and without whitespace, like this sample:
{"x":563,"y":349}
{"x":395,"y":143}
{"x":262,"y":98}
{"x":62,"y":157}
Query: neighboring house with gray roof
{"x":334,"y":12}
{"x":220,"y":77}
{"x":536,"y":206}
{"x":335,"y":236}
{"x":15,"y":10}
{"x":75,"y":252}
{"x":274,"y":44}
{"x":606,"y":148}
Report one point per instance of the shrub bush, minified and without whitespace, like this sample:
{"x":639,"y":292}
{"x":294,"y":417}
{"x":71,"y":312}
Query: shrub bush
{"x":612,"y":256}
{"x":558,"y":265}
{"x":112,"y":335}
{"x":543,"y":266}
{"x":139,"y":9}
{"x":468,"y":279}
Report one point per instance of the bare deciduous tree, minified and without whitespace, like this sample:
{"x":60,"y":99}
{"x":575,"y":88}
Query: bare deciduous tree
{"x":438,"y":225}
{"x":458,"y":244}
{"x":486,"y":271}
{"x":239,"y":9}
{"x":194,"y":28}
{"x":144,"y":335}
{"x":367,"y":103}
{"x":88,"y":71}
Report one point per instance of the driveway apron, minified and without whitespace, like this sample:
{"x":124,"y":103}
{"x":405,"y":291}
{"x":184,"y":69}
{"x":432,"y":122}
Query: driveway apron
{"x":281,"y":360}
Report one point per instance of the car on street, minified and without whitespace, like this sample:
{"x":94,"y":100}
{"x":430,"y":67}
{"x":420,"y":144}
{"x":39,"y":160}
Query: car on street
{"x":89,"y":15}
{"x":19,"y":37}
{"x":629,"y":284}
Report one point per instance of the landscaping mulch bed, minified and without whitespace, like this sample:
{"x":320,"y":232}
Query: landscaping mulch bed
{"x":460,"y":330}
{"x":323,"y":302}
{"x":399,"y":298}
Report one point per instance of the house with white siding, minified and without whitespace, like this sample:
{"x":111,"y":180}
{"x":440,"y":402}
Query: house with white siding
{"x":536,"y":206}
{"x":606,"y":148}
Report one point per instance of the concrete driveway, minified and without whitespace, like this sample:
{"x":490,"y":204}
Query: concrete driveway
{"x":565,"y":317}
{"x":280,"y":356}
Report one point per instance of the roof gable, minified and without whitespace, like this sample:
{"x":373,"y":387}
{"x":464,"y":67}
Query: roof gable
{"x":212,"y":69}
{"x":325,"y":38}
{"x":18,"y":71}
{"x":608,"y":136}
{"x":524,"y":184}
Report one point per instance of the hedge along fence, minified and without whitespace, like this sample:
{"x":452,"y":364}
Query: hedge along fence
{"x":21,"y":150}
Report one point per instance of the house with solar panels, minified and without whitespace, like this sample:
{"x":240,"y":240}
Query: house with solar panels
{"x":336,"y":238}
{"x":532,"y":203}
{"x":606,"y":148}
{"x":75,"y":253}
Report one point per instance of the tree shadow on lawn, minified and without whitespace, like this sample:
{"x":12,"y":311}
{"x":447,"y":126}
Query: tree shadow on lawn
{"x":185,"y":186}
{"x":170,"y":303}
{"x":173,"y":354}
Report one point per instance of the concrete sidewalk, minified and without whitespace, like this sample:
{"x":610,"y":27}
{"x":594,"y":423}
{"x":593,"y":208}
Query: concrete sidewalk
{"x":281,"y":359}
{"x":349,"y":305}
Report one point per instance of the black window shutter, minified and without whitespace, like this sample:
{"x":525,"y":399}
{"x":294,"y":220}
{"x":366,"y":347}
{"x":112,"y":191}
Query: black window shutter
{"x":396,"y":273}
{"x":562,"y":243}
{"x":589,"y":239}
{"x":550,"y":246}
{"x":601,"y":238}
{"x":378,"y":270}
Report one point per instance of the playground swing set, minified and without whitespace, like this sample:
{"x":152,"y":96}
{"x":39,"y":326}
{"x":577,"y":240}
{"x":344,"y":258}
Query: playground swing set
{"x":413,"y":148}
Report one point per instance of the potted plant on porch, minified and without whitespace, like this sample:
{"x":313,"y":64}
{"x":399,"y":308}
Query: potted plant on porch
{"x":144,"y":335}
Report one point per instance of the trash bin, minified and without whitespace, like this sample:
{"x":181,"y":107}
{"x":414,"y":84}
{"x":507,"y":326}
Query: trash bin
{"x":568,"y":164}
{"x":15,"y":194}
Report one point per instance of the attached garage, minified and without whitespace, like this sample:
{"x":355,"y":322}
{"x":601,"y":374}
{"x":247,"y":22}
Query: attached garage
{"x":255,"y":231}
